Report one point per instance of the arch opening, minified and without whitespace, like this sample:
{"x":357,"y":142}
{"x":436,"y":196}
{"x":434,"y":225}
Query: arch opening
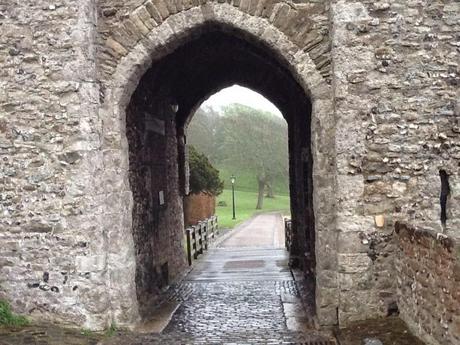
{"x":157,"y":116}
{"x":244,"y":136}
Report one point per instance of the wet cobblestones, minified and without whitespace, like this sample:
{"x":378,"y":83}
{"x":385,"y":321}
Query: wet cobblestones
{"x":181,"y":292}
{"x":220,"y":308}
{"x":228,"y":313}
{"x":222,"y":313}
{"x":210,"y":313}
{"x":237,"y":338}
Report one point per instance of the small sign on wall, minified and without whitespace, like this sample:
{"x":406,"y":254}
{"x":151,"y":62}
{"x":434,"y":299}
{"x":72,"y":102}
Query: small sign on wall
{"x":161,"y":197}
{"x":379,"y":221}
{"x":155,"y":125}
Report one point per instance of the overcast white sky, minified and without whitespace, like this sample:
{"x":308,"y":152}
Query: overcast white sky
{"x":242,"y":95}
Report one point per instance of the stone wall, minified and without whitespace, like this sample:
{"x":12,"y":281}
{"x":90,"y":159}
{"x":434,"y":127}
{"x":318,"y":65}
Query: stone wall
{"x":382,"y":78}
{"x":52,"y":249}
{"x":122,"y":24}
{"x":428,"y":276}
{"x":395,"y":80}
{"x":157,"y":216}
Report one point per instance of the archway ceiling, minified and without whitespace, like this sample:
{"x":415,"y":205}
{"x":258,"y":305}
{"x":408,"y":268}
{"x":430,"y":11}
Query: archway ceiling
{"x":217,"y":60}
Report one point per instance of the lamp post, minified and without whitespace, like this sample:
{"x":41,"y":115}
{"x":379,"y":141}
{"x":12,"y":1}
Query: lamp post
{"x":174,"y":107}
{"x":232,"y":178}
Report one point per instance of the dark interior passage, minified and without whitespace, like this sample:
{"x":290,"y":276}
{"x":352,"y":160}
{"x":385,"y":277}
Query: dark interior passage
{"x":157,"y":116}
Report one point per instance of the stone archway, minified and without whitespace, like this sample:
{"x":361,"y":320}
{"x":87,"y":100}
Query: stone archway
{"x":161,"y":41}
{"x":156,"y":137}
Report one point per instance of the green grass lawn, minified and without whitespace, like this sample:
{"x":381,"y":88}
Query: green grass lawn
{"x":247,"y":181}
{"x":246,"y":207}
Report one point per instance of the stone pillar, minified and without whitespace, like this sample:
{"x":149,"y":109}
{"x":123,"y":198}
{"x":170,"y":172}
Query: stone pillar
{"x":395,"y":80}
{"x":51,"y":148}
{"x":353,"y":59}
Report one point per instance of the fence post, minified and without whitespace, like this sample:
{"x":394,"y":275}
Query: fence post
{"x":198,"y":237}
{"x":200,"y":230}
{"x":196,"y":240}
{"x":210,"y":228}
{"x":206,"y":234}
{"x":189,"y":246}
{"x":286,"y":234}
{"x":213,"y":227}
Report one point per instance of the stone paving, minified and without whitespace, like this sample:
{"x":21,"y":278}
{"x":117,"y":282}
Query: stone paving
{"x":262,"y":231}
{"x":225,"y":308}
{"x":239,"y":293}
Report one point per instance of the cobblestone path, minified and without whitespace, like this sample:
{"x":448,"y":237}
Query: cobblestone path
{"x":240,"y":293}
{"x":249,"y":312}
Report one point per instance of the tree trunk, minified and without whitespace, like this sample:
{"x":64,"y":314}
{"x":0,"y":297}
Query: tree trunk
{"x":260,"y":199}
{"x":270,"y":193}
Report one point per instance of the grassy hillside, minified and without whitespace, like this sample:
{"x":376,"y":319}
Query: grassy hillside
{"x":241,"y":140}
{"x":246,"y":207}
{"x":246,"y":181}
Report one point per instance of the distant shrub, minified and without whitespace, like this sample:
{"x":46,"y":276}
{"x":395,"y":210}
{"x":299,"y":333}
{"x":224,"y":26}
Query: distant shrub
{"x":204,"y":178}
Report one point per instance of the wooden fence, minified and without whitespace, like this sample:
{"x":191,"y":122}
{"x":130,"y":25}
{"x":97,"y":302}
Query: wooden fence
{"x":199,"y":236}
{"x":288,"y":233}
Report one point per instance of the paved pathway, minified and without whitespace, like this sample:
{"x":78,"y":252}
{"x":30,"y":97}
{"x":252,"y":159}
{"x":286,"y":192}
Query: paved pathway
{"x":262,"y":231}
{"x":240,"y":293}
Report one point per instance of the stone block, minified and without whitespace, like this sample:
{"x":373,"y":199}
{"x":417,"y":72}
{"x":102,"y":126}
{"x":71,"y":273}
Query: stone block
{"x":354,"y":263}
{"x":327,"y":297}
{"x":145,"y":16}
{"x":326,"y":279}
{"x":327,"y":316}
{"x":92,"y":263}
{"x":154,"y":11}
{"x":352,"y":242}
{"x":117,"y":49}
{"x":352,"y":223}
{"x":347,"y":12}
{"x":159,"y":6}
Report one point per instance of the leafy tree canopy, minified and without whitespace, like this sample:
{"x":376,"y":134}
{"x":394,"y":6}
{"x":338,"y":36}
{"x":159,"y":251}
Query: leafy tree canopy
{"x":204,"y":178}
{"x":241,"y":139}
{"x":254,"y":139}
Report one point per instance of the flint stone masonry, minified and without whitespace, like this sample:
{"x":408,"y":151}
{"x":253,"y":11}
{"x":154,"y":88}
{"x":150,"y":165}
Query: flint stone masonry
{"x":395,"y":79}
{"x":381,"y":79}
{"x":428,"y":275}
{"x":157,"y":216}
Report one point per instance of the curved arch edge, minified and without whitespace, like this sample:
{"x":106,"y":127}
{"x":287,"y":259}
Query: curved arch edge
{"x":164,"y":39}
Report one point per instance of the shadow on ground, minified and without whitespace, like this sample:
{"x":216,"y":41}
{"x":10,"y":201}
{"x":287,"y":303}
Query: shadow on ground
{"x":389,"y":331}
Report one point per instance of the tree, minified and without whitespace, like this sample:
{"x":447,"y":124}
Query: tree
{"x":256,"y":140}
{"x":202,"y":131}
{"x":204,"y":178}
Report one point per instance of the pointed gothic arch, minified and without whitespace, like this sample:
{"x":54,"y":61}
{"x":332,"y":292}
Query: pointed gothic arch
{"x":159,"y":44}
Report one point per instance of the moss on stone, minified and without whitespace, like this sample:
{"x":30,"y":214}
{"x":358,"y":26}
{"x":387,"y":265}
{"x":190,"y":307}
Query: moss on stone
{"x":8,"y":318}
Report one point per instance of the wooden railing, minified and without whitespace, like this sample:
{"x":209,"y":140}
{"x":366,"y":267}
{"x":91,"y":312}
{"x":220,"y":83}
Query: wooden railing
{"x":288,"y":233}
{"x":199,"y":236}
